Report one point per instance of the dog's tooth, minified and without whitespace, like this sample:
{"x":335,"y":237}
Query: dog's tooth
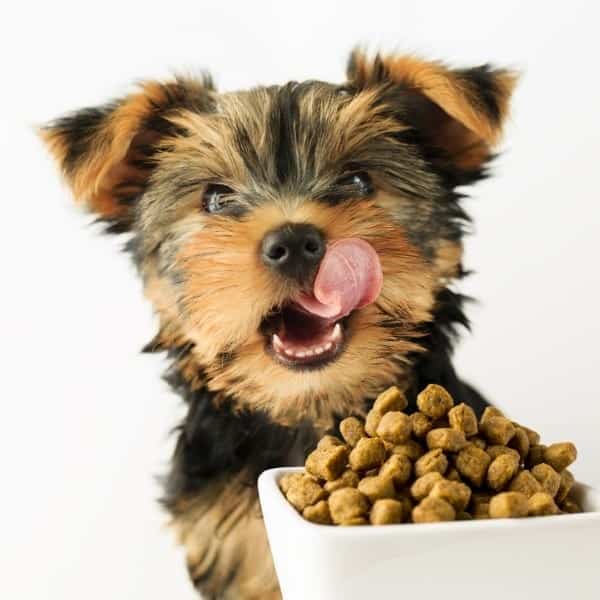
{"x":277,"y":343}
{"x":310,"y":352}
{"x":301,"y":354}
{"x":337,"y":332}
{"x":328,"y":346}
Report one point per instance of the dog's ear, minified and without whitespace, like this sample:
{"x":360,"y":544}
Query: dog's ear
{"x":107,"y":153}
{"x":457,"y":114}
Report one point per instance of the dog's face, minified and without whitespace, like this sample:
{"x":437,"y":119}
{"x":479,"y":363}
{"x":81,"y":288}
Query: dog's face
{"x":294,"y":237}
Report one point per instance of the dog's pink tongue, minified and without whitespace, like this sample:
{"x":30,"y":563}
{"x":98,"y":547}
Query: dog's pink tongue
{"x":349,"y":277}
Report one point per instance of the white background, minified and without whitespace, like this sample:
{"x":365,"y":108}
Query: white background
{"x":85,"y":418}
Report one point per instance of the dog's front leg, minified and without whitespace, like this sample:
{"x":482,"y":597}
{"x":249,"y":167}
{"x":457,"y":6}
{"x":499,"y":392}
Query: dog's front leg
{"x":227,"y":552}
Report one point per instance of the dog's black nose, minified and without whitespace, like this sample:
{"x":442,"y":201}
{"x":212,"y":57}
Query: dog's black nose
{"x":294,"y":250}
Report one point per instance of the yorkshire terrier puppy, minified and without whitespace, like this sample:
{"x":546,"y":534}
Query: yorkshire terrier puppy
{"x":298,"y":243}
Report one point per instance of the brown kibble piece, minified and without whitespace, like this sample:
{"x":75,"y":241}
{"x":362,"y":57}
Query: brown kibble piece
{"x":481,"y":510}
{"x":541,"y":504}
{"x":355,"y":521}
{"x":376,"y":488}
{"x":472,"y":463}
{"x":434,"y":460}
{"x":398,"y":468}
{"x":501,"y":470}
{"x":434,"y":401}
{"x":327,"y":463}
{"x":318,"y":513}
{"x":394,"y":427}
{"x":372,"y":421}
{"x":520,"y":442}
{"x":304,"y":492}
{"x":453,"y":492}
{"x":391,"y":399}
{"x":478,"y":441}
{"x":327,"y":441}
{"x":569,"y":505}
{"x":525,"y":483}
{"x":490,"y":411}
{"x":451,"y":440}
{"x":548,"y":478}
{"x":411,"y":449}
{"x":566,"y":483}
{"x":352,"y":429}
{"x":462,"y":418}
{"x":368,"y":453}
{"x":422,"y":487}
{"x":288,"y":480}
{"x":508,"y":504}
{"x":536,"y":455}
{"x":386,"y":512}
{"x":421,"y":424}
{"x":347,"y":479}
{"x":560,"y":456}
{"x":497,"y":450}
{"x":347,"y":504}
{"x":433,"y":510}
{"x":533,"y":436}
{"x":498,"y":430}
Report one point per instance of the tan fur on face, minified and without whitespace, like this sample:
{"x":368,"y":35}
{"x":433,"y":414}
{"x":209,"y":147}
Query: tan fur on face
{"x":228,"y":291}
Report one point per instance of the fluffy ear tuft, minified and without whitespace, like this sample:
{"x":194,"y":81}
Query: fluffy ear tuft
{"x":459,"y":112}
{"x":106,"y":153}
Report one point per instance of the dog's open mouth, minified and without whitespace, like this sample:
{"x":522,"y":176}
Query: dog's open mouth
{"x":309,"y":331}
{"x":298,"y":338}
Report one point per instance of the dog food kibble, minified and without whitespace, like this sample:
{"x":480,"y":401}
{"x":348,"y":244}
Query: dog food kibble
{"x":352,"y":429}
{"x":391,"y":399}
{"x":327,"y":463}
{"x":525,"y":483}
{"x":434,"y":460}
{"x":498,"y":430}
{"x":422,"y":487}
{"x":421,"y":424}
{"x":347,"y":479}
{"x":463,"y":418}
{"x":437,"y":464}
{"x":304,"y":491}
{"x":541,"y":504}
{"x":433,"y":510}
{"x":566,"y":483}
{"x":501,"y":470}
{"x":508,"y":504}
{"x":472,"y":463}
{"x":395,"y":427}
{"x":318,"y":513}
{"x":447,"y":439}
{"x":347,"y":504}
{"x":377,"y":487}
{"x":386,"y":512}
{"x":560,"y":456}
{"x":455,"y":493}
{"x":369,"y":453}
{"x":398,"y":468}
{"x":434,"y":401}
{"x":548,"y":478}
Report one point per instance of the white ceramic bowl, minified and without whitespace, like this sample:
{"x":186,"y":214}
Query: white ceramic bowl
{"x":543,"y":558}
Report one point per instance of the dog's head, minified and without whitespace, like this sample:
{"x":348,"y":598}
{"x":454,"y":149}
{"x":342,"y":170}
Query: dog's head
{"x":293,"y":239}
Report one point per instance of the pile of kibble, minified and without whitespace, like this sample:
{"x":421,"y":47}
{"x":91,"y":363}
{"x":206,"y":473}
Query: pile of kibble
{"x":437,"y":464}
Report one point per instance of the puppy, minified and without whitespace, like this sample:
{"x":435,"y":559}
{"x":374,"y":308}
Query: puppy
{"x":298,"y":243}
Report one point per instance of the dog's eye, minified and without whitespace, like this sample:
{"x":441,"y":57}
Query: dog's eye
{"x":359,"y":183}
{"x":214,"y":199}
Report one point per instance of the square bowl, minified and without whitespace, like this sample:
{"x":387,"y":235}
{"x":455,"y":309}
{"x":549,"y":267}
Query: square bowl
{"x":542,"y":557}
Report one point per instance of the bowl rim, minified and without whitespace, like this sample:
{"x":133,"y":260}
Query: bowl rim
{"x":271,"y":497}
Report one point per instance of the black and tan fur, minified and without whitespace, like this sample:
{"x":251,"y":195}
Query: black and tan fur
{"x":141,"y":164}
